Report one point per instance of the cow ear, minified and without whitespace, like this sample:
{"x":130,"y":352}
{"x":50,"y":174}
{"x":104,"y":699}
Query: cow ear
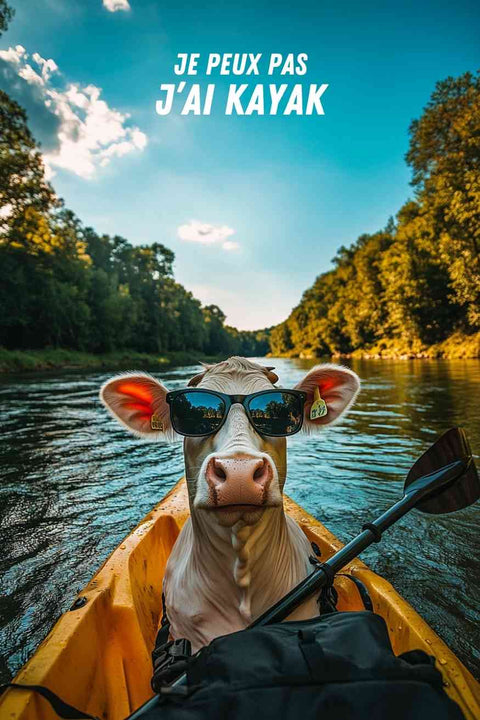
{"x":138,"y":402}
{"x":337,"y":386}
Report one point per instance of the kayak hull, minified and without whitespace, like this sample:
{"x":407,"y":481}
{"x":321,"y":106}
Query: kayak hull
{"x":97,"y":656}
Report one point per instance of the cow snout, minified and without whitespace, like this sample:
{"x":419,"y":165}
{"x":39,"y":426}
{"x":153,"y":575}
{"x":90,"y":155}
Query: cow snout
{"x":239,"y":480}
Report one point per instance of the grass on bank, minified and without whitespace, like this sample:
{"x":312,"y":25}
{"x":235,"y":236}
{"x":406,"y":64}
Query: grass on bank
{"x":456,"y":346}
{"x":57,"y":359}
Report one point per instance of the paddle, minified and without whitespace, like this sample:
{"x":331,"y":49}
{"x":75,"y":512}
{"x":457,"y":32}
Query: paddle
{"x":443,"y":480}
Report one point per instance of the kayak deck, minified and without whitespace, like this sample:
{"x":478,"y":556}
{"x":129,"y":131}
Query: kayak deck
{"x":97,"y":656}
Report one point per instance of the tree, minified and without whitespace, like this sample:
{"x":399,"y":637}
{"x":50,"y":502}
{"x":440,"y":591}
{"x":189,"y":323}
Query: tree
{"x":23,"y":188}
{"x":218,"y":340}
{"x":6,"y":16}
{"x":66,"y":286}
{"x":445,"y":157}
{"x":417,"y":281}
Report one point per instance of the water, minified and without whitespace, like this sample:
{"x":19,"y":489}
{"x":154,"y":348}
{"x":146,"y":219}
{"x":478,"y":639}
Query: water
{"x":74,"y":483}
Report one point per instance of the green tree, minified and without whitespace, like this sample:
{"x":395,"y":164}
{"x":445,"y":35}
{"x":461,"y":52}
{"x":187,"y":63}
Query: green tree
{"x":25,"y":195}
{"x":218,"y":340}
{"x":444,"y":154}
{"x":66,"y":286}
{"x":417,"y":294}
{"x":6,"y":15}
{"x":418,"y":280}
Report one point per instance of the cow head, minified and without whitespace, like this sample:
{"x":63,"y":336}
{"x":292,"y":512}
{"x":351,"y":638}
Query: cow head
{"x":236,"y":473}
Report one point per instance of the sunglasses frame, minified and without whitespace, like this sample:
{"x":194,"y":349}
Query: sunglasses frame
{"x":230,"y":400}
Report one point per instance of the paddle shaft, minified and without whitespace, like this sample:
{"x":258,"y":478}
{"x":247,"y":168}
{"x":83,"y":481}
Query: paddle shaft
{"x":314,"y":582}
{"x":325,"y":572}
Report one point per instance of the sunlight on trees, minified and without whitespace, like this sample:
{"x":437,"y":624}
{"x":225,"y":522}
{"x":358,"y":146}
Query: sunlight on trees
{"x":63,"y":285}
{"x":417,"y":281}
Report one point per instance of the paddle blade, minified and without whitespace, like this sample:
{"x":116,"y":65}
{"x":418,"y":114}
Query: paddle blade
{"x":464,"y":490}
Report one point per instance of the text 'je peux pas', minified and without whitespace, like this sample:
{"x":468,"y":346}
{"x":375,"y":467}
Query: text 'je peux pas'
{"x":242,"y":98}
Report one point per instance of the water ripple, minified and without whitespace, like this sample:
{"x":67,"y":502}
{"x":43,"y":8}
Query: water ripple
{"x":74,"y":484}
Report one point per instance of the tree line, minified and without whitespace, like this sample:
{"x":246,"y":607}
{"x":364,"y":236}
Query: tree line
{"x":416,"y":282}
{"x":64,"y":285}
{"x":411,"y":285}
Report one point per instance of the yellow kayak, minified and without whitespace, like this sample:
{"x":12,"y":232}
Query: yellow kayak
{"x":97,"y":656}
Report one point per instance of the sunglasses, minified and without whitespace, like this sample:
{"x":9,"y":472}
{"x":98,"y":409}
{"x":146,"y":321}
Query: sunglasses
{"x":196,"y":412}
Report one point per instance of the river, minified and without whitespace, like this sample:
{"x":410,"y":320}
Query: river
{"x":74,"y":483}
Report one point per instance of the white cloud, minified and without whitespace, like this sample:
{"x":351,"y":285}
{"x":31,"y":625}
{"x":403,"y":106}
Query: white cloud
{"x":83,"y":132}
{"x":48,"y":67}
{"x":114,"y":5}
{"x":14,"y":54}
{"x":207,"y":234}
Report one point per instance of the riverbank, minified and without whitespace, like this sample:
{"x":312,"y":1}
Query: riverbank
{"x":457,"y":346}
{"x":59,"y":359}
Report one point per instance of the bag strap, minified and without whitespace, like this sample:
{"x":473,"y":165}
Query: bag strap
{"x":62,"y":709}
{"x":362,"y":591}
{"x":328,"y":597}
{"x":164,"y":630}
{"x":169,"y":657}
{"x":312,"y":653}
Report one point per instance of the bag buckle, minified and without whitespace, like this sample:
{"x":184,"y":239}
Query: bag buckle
{"x":170,"y":661}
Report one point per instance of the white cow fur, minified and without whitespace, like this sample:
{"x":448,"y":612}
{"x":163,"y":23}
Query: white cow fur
{"x":218,"y":579}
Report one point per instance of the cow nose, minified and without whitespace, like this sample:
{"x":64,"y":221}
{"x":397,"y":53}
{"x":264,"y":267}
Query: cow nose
{"x":239,"y":470}
{"x":239,"y":480}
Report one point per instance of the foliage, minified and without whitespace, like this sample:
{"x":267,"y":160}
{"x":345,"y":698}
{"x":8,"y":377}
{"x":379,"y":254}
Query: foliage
{"x":25,"y":196}
{"x":417,"y":282}
{"x":414,"y":284}
{"x":445,"y":156}
{"x":65,"y":286}
{"x":6,"y":15}
{"x":52,"y":358}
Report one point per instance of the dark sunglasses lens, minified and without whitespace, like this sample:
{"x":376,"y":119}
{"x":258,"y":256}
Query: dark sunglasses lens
{"x":276,"y":413}
{"x":197,"y":413}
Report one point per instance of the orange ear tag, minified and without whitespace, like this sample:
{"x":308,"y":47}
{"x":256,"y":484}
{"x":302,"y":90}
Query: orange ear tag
{"x":155,"y":422}
{"x":319,"y":406}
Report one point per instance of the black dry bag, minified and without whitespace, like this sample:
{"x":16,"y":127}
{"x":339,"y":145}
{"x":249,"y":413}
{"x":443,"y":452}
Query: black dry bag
{"x":335,"y":667}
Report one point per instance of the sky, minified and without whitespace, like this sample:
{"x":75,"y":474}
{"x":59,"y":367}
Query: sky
{"x":254,"y":207}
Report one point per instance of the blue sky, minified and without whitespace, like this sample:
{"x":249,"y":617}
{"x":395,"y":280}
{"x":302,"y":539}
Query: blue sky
{"x":282,"y":192}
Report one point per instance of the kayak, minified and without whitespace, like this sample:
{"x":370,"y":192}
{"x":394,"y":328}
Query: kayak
{"x":97,"y":657}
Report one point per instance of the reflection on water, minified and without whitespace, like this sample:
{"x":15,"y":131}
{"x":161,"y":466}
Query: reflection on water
{"x":74,"y":484}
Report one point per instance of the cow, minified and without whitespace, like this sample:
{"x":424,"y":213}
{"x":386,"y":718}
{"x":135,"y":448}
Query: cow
{"x":238,"y":553}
